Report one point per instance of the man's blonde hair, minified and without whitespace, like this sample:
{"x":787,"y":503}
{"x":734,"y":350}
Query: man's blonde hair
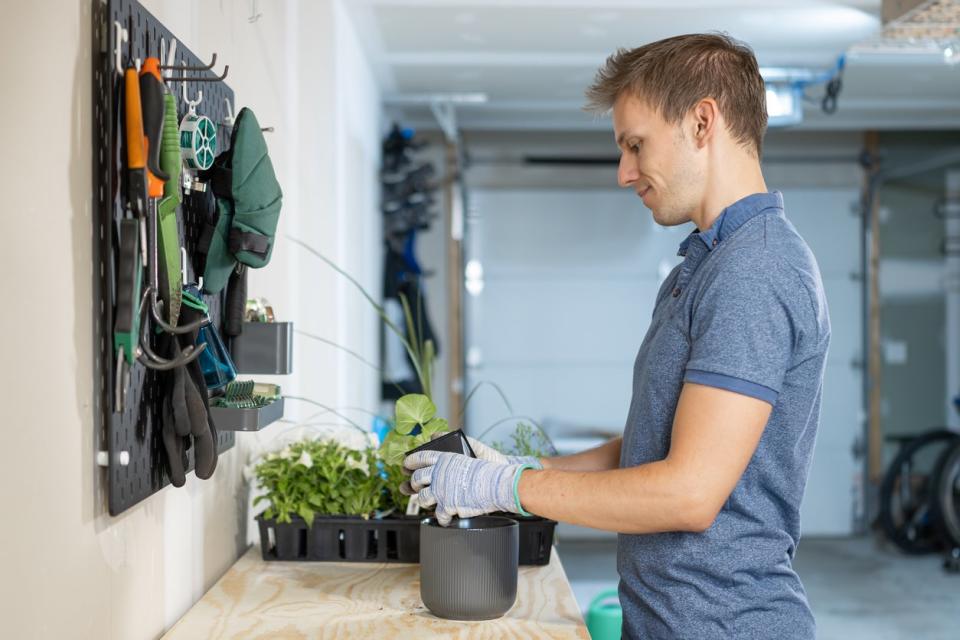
{"x":674,"y":74}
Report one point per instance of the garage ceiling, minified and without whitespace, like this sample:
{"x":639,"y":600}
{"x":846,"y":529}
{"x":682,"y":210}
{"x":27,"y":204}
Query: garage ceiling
{"x":533,"y":58}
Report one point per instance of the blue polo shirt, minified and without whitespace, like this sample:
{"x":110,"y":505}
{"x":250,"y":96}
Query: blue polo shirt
{"x":745,"y":311}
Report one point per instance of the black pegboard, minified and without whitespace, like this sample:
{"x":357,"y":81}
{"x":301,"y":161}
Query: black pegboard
{"x":136,"y":430}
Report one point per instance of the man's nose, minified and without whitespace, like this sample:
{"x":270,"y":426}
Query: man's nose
{"x":627,"y":171}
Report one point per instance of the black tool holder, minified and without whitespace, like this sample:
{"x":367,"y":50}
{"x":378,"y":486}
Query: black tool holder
{"x":129,"y":442}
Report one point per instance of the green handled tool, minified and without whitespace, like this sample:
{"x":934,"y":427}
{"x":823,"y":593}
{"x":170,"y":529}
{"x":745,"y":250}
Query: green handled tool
{"x":171,"y":285}
{"x":126,"y":324}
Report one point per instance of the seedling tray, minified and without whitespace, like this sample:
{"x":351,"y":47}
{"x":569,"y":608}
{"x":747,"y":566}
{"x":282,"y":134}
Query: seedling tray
{"x":392,"y":539}
{"x":536,"y":539}
{"x":342,"y":539}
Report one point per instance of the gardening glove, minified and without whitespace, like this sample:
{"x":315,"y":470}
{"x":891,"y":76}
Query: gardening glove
{"x":462,"y":486}
{"x":490,"y":454}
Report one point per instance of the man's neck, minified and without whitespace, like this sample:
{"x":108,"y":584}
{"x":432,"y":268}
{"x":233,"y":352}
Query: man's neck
{"x":734,"y":182}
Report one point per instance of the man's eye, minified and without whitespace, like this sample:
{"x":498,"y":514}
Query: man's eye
{"x":635,"y":148}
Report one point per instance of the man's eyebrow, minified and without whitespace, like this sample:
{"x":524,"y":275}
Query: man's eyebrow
{"x":624,"y":135}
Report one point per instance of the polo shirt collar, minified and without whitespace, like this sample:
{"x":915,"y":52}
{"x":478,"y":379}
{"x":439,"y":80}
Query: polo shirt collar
{"x":734,"y":217}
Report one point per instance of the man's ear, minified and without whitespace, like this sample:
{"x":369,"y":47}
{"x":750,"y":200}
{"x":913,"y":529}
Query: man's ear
{"x":706,"y":115}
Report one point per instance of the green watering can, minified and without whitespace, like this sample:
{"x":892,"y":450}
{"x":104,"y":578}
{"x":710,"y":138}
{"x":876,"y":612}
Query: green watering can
{"x":605,"y":618}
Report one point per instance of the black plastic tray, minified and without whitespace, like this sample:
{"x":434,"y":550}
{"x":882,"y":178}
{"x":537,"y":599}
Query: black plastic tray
{"x":393,"y":539}
{"x":255,"y":419}
{"x":536,"y":539}
{"x":341,"y":539}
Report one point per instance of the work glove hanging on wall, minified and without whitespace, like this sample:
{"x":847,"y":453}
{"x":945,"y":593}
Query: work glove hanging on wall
{"x":248,"y":205}
{"x":185,"y":412}
{"x":462,"y":486}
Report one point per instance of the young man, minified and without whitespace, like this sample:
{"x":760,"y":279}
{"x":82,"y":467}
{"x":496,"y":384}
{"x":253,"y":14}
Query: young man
{"x":705,"y":485}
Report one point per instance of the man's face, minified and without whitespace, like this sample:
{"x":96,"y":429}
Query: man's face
{"x":658,"y":161}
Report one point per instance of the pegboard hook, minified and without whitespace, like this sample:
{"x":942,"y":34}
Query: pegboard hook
{"x":191,"y":104}
{"x":183,"y":65}
{"x":121,"y":37}
{"x":230,"y":118}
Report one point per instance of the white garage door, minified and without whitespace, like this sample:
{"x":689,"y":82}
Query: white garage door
{"x":569,"y":280}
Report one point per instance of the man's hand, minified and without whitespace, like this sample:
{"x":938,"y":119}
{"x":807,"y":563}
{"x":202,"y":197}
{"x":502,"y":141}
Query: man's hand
{"x":461,"y":486}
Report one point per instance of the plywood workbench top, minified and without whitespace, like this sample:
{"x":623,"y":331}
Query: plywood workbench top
{"x":280,"y":600}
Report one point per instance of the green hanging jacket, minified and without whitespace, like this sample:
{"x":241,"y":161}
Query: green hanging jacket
{"x":248,"y":204}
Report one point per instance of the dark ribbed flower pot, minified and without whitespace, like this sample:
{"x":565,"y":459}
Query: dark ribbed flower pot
{"x":468,"y":571}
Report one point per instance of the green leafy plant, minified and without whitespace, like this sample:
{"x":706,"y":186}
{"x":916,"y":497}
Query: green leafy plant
{"x":527,"y":441}
{"x":413,"y":411}
{"x":319,"y":477}
{"x":393,"y":500}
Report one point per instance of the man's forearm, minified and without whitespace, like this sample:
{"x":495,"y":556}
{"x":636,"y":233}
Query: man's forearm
{"x":650,"y":498}
{"x":602,"y":458}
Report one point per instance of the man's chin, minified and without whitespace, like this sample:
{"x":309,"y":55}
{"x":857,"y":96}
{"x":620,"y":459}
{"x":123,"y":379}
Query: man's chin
{"x":665,"y":219}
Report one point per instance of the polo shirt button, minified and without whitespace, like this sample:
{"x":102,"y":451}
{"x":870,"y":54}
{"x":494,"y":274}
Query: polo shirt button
{"x":676,"y":292}
{"x":715,"y":241}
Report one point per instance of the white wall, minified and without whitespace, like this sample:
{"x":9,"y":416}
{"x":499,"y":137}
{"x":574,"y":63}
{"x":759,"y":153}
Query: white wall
{"x":69,"y":569}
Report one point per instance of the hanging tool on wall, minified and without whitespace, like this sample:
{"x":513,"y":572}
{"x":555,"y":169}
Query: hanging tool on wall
{"x":132,"y":255}
{"x":186,"y":413}
{"x":170,"y":280}
{"x":153,"y":103}
{"x":198,"y":135}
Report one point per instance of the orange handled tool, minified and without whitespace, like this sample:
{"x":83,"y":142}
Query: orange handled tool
{"x":151,"y":98}
{"x":136,"y":153}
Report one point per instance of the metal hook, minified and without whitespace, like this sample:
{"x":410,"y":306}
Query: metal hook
{"x":219,"y":78}
{"x":145,"y":353}
{"x":122,"y":35}
{"x":156,"y":313}
{"x":184,"y":67}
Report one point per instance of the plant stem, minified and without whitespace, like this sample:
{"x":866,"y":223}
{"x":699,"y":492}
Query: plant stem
{"x":420,"y":361}
{"x":476,"y":387}
{"x":331,"y":410}
{"x":352,"y":353}
{"x":379,"y":309}
{"x":520,"y":417}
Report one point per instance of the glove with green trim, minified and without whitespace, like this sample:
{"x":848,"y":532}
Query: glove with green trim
{"x":462,"y":486}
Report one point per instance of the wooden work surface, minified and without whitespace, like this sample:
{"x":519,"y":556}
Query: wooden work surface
{"x":257,"y":599}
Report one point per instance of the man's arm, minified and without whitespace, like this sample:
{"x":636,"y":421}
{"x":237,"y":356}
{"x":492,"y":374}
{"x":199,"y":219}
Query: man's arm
{"x":600,"y":458}
{"x":715,"y":433}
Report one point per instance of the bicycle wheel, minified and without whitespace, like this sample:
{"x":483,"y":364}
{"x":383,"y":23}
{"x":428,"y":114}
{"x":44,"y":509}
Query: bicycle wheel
{"x":947,"y":499}
{"x":908,"y":491}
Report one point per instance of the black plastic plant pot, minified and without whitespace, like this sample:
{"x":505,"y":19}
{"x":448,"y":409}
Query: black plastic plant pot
{"x":453,"y":442}
{"x":468,"y":570}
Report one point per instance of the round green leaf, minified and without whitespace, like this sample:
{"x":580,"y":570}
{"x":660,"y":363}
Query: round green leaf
{"x":413,"y":409}
{"x":435,"y":425}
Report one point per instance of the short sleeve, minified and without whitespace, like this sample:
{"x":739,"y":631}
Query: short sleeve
{"x":743,"y":330}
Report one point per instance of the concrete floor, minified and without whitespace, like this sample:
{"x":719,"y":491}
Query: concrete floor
{"x":858,"y":590}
